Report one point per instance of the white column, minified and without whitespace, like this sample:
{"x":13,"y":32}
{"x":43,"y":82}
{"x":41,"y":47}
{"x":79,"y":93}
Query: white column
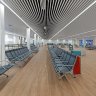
{"x":63,"y":41}
{"x":20,"y":40}
{"x":42,"y":42}
{"x":2,"y":36}
{"x":94,"y":41}
{"x":14,"y":39}
{"x":34,"y":39}
{"x":57,"y":41}
{"x":28,"y":37}
{"x":38,"y":39}
{"x":76,"y":41}
{"x":84,"y":42}
{"x":49,"y":41}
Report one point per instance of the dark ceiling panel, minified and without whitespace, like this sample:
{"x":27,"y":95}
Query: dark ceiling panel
{"x":49,"y":14}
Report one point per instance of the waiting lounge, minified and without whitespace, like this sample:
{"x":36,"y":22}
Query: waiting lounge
{"x":47,"y":47}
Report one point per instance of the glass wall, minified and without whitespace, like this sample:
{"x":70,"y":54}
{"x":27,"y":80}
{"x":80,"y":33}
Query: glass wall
{"x":13,"y":41}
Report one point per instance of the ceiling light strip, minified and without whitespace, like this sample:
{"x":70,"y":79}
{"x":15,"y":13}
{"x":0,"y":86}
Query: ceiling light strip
{"x":81,"y":34}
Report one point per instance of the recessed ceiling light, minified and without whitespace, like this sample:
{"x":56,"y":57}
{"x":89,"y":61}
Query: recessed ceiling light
{"x":45,"y":27}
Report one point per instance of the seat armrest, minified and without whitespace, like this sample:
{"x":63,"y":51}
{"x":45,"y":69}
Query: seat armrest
{"x":65,"y":65}
{"x":64,"y":61}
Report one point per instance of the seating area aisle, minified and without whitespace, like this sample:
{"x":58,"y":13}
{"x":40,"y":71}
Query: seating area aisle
{"x":38,"y":78}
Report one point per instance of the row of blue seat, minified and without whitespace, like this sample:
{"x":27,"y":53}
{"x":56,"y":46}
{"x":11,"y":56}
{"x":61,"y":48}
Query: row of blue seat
{"x":14,"y":56}
{"x":5,"y":68}
{"x":62,"y":61}
{"x":90,"y":47}
{"x":34,"y":48}
{"x":18,"y":54}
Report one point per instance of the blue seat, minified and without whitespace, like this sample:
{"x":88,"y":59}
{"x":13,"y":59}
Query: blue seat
{"x":5,"y":68}
{"x":62,"y":61}
{"x":8,"y":66}
{"x":62,"y":70}
{"x":19,"y":54}
{"x":2,"y":70}
{"x":34,"y":48}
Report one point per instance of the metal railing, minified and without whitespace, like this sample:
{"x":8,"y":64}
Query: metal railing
{"x":14,"y":46}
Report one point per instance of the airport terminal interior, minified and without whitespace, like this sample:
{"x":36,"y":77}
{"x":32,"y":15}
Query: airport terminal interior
{"x":47,"y":47}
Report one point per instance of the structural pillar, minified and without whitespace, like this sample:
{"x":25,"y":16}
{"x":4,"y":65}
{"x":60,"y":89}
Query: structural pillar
{"x":38,"y":39}
{"x":57,"y":41}
{"x":20,"y":40}
{"x":84,"y":42}
{"x":2,"y":36}
{"x":76,"y":41}
{"x":63,"y":41}
{"x":94,"y":41}
{"x":28,"y":37}
{"x":35,"y":39}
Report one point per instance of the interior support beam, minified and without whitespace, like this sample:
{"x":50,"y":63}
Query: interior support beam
{"x":28,"y":37}
{"x":35,"y":41}
{"x":2,"y":35}
{"x":38,"y":39}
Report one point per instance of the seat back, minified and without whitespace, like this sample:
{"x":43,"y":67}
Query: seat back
{"x":71,"y":62}
{"x":64,"y":56}
{"x":67,"y":57}
{"x":14,"y":54}
{"x":9,"y":55}
{"x":19,"y":52}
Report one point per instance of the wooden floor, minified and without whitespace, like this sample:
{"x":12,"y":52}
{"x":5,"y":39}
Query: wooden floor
{"x":38,"y":78}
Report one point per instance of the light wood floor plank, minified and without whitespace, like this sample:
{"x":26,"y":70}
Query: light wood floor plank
{"x":38,"y":78}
